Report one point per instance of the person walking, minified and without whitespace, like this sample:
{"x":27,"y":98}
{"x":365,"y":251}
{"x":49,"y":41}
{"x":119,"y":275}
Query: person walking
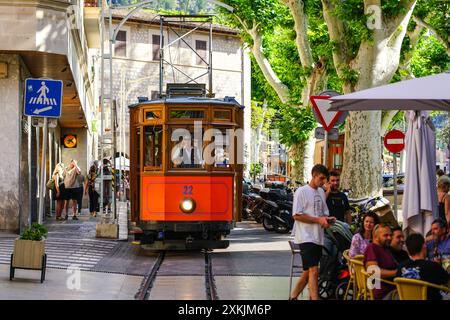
{"x":71,"y":185}
{"x":59,"y":189}
{"x":89,"y":186}
{"x":79,"y":192}
{"x":311,"y":217}
{"x":444,"y":198}
{"x":107,"y":186}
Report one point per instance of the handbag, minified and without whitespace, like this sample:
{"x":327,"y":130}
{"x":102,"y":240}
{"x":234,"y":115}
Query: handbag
{"x":50,"y":184}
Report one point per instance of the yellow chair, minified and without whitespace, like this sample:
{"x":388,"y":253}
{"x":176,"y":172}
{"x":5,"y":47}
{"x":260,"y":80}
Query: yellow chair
{"x":351,"y":281}
{"x":360,"y":280}
{"x":370,"y":291}
{"x":361,"y":277}
{"x":412,"y":289}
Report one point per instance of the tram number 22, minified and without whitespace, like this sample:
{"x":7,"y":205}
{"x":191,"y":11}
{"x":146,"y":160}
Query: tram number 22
{"x":187,"y":190}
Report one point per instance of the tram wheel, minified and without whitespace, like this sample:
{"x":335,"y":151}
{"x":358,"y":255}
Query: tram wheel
{"x":267,"y":224}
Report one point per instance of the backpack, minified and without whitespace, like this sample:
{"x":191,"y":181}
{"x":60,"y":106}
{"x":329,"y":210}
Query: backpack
{"x":50,"y":184}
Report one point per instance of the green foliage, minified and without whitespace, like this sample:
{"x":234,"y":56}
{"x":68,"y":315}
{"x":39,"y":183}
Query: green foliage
{"x":37,"y":232}
{"x":261,"y":116}
{"x":441,"y":121}
{"x":255,"y":169}
{"x":295,"y":124}
{"x":429,"y":58}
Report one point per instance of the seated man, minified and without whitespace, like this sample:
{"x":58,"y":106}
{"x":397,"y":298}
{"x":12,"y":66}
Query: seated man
{"x":438,"y":250}
{"x":377,"y":254}
{"x":421,"y":269}
{"x":396,"y":247}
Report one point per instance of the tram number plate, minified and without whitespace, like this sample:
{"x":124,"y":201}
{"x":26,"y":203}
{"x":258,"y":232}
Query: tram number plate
{"x":188,"y":190}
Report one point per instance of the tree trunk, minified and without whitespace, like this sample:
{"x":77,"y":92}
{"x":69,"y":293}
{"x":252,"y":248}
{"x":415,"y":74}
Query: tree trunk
{"x":301,"y":157}
{"x":362,"y":154}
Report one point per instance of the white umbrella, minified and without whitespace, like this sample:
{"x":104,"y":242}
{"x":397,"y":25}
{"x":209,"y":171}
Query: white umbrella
{"x":426,"y":93}
{"x":420,"y":194}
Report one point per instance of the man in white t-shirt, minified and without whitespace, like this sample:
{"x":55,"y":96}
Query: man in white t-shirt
{"x":311,"y":216}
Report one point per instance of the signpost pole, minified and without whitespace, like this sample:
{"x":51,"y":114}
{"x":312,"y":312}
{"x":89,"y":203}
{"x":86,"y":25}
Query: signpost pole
{"x":395,"y":186}
{"x":42,"y":179}
{"x":325,"y":148}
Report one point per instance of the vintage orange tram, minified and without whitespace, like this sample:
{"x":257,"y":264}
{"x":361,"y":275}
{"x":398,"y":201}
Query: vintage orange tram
{"x":185,"y":188}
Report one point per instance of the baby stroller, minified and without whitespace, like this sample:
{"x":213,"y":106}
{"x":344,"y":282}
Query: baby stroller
{"x":333,"y":271}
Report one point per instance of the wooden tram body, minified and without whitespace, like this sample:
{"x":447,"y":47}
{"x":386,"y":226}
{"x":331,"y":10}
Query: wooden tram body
{"x":184,"y":206}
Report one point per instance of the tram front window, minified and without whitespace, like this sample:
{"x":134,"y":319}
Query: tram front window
{"x":153,"y":146}
{"x":187,"y":150}
{"x":222,"y":150}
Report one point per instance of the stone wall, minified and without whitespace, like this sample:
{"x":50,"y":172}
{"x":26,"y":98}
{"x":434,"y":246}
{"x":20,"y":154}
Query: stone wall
{"x":10,"y":142}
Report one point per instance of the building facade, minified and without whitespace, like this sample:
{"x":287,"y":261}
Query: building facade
{"x":42,"y":39}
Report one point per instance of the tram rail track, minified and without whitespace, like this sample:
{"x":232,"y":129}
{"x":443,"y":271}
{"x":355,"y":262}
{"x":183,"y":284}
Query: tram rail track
{"x":149,"y":280}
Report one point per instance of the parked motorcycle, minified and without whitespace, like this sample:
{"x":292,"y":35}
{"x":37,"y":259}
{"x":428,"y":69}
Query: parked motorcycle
{"x":277,"y":210}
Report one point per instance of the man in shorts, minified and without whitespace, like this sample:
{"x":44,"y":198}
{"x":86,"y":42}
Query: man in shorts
{"x":311,"y":217}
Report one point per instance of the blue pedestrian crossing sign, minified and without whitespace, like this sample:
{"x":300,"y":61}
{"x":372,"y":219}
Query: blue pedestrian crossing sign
{"x":43,"y":98}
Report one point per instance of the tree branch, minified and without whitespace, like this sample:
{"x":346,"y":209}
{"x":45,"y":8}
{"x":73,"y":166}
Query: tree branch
{"x":405,"y":65}
{"x":425,"y":25}
{"x":267,"y":70}
{"x":337,"y":35}
{"x":386,"y":119}
{"x":394,"y":22}
{"x":301,"y":29}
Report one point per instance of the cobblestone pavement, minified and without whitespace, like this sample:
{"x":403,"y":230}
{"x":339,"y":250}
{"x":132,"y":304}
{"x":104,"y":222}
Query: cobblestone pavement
{"x":255,"y":266}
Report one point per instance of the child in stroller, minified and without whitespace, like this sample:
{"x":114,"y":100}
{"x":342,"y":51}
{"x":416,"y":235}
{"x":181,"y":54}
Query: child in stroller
{"x":333,"y":271}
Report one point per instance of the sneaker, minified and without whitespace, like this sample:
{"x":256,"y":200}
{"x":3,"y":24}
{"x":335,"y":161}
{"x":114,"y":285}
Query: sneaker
{"x":59,"y":218}
{"x":74,"y":218}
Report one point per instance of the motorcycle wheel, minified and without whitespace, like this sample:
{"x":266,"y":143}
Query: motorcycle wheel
{"x":326,"y":290}
{"x":340,"y":291}
{"x":267,"y":224}
{"x":281,"y":229}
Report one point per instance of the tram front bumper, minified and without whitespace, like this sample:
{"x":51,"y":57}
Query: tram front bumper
{"x":186,"y":245}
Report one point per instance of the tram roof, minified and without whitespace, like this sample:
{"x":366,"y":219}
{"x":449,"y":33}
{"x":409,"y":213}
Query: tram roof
{"x":228,"y":101}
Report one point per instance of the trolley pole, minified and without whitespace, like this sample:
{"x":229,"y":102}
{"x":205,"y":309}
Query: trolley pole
{"x":325,"y":148}
{"x":395,"y":187}
{"x":113,"y":128}
{"x":42,"y":172}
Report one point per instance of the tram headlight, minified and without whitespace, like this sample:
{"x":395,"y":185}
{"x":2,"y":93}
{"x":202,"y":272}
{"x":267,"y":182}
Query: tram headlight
{"x":187,"y":205}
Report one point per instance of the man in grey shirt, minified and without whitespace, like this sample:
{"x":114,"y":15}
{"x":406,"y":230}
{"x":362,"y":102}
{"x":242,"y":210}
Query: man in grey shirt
{"x":311,"y":216}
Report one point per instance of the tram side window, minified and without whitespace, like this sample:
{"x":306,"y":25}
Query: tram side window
{"x":187,"y":151}
{"x":153,"y":146}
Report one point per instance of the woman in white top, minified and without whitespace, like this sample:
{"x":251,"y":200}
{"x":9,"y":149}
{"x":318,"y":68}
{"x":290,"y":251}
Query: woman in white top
{"x":361,"y":240}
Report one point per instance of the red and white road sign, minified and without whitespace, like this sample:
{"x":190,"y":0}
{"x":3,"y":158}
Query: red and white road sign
{"x":394,"y":141}
{"x":321,"y":105}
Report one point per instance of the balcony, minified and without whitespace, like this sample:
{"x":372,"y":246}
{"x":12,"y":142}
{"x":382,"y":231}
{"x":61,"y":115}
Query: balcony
{"x":92,"y":23}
